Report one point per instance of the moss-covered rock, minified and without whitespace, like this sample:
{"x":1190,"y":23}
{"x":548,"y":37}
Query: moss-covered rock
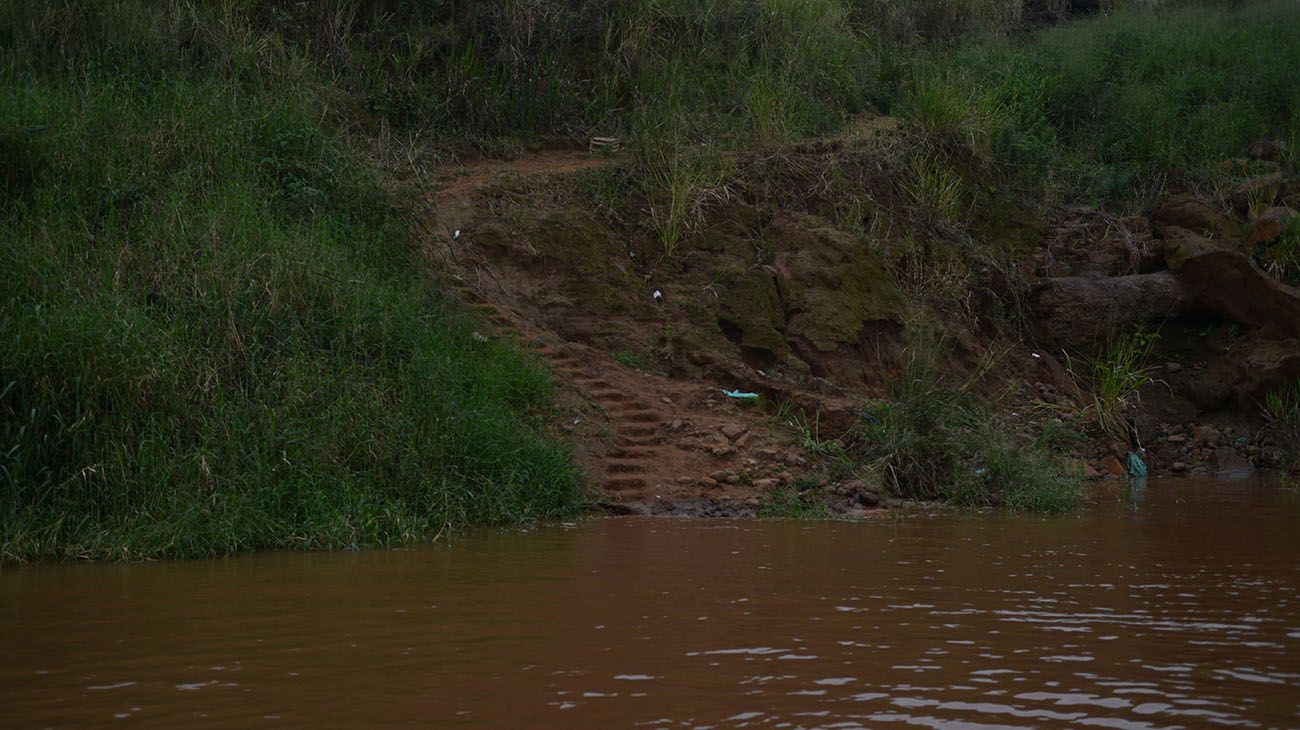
{"x":751,"y":312}
{"x":832,"y":283}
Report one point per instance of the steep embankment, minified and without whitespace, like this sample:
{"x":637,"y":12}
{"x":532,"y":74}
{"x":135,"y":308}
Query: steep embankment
{"x":770,"y":296}
{"x":218,"y":334}
{"x":652,"y":441}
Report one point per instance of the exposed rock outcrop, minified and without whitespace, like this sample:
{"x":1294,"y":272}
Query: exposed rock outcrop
{"x":1226,"y":282}
{"x":1078,"y":310}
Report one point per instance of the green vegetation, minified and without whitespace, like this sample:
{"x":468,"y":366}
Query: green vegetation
{"x":1113,"y":376}
{"x":216,"y":334}
{"x":1112,"y":108}
{"x":1282,"y":411}
{"x":795,"y":502}
{"x":934,"y":439}
{"x":1283,"y":257}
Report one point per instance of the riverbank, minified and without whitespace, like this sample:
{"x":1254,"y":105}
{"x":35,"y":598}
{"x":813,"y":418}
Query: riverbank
{"x":961,"y":253}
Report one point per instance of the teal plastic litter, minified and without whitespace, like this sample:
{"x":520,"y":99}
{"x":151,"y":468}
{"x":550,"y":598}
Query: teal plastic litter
{"x":739,"y":395}
{"x":1136,"y":467}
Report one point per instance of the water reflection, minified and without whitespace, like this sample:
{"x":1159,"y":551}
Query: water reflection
{"x":1170,"y":606}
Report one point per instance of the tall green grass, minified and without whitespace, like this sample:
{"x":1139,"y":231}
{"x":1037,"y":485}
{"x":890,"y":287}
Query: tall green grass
{"x":217,"y":334}
{"x":1114,"y":107}
{"x":1114,"y":376}
{"x":1282,"y":418}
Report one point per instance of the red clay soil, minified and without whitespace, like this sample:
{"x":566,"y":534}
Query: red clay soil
{"x":650,"y":443}
{"x":540,"y":263}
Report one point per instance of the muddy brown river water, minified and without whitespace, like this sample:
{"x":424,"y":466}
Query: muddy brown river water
{"x":1173,"y":607}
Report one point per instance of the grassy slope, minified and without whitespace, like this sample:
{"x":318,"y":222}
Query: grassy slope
{"x":217,"y":335}
{"x":1115,"y":108}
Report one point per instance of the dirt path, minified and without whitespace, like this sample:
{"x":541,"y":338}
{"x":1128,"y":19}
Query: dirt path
{"x":651,"y":443}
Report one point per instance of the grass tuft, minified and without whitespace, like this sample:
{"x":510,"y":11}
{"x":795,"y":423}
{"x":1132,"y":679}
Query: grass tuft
{"x":1113,"y":377}
{"x":1282,"y":416}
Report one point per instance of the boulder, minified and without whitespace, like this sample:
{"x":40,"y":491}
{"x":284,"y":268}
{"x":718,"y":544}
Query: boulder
{"x":841,"y":304}
{"x":1227,"y":282}
{"x":1076,"y":310}
{"x":1194,"y":214}
{"x":1264,"y":365}
{"x":750,"y":314}
{"x":1226,"y":459}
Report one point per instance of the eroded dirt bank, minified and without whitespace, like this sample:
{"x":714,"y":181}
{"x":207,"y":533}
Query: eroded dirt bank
{"x":804,"y":280}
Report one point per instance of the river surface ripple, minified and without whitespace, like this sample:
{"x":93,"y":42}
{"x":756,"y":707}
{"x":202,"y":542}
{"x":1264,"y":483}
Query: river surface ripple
{"x":1172,"y":607}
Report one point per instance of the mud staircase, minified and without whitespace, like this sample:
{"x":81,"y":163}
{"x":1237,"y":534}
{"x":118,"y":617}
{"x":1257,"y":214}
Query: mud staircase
{"x":628,"y":472}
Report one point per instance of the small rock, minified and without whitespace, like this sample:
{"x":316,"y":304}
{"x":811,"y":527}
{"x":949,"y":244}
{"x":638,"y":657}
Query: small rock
{"x":1176,"y":439}
{"x":720,"y":450}
{"x":769,"y":452}
{"x":1173,"y":367}
{"x":765,"y":484}
{"x":666,"y":401}
{"x":1111,"y":467}
{"x":1206,"y":436}
{"x":744,"y":438}
{"x":708,"y":482}
{"x":733,"y":478}
{"x":1270,"y":225}
{"x":1178,"y":466}
{"x":734,"y":431}
{"x":718,"y":475}
{"x":685,"y":480}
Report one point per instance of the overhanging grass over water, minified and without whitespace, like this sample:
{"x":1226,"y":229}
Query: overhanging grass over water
{"x":217,"y":335}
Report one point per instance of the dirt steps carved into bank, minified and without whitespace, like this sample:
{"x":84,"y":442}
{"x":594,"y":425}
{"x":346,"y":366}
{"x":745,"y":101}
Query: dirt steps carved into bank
{"x":646,"y":466}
